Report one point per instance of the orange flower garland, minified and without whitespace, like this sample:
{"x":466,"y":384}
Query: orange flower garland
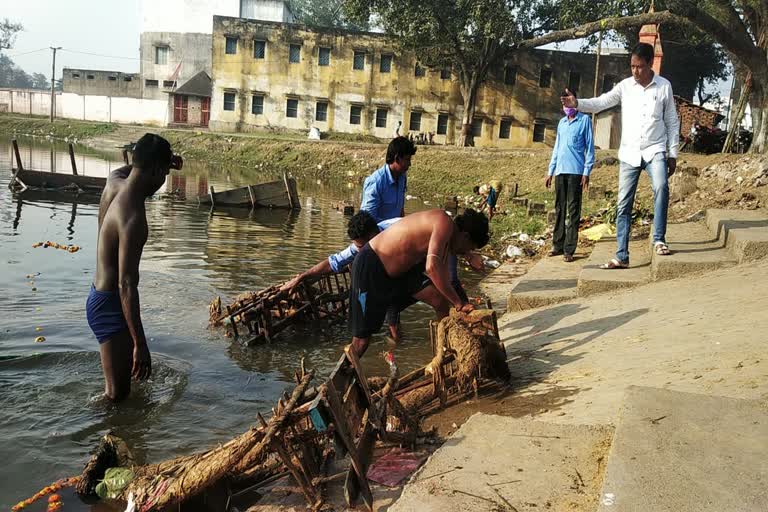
{"x":54,"y":501}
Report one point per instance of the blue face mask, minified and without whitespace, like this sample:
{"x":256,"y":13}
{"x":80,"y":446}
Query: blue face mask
{"x":569,"y":111}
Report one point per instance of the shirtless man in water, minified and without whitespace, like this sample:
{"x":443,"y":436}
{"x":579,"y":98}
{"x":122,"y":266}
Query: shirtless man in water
{"x":113,"y":302}
{"x":409,"y":260}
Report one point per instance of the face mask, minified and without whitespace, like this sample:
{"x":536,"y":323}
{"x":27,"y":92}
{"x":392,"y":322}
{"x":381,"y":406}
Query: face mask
{"x":569,"y":111}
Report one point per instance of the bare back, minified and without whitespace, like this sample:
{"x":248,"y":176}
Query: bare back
{"x":124,"y":222}
{"x":407,"y":242}
{"x":115,"y":182}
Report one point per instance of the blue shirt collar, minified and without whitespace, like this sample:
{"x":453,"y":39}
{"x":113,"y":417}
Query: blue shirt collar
{"x":390,"y":177}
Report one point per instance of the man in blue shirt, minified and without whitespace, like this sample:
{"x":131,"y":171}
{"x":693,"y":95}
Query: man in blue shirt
{"x":384,"y":190}
{"x":571,"y":164}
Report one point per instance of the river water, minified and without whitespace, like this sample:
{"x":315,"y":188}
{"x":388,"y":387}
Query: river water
{"x":204,"y":388}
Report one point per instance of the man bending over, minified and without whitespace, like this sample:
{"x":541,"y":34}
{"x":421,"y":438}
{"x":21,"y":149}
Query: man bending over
{"x":407,"y":261}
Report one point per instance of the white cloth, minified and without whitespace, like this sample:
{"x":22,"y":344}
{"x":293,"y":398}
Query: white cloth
{"x":649,"y":122}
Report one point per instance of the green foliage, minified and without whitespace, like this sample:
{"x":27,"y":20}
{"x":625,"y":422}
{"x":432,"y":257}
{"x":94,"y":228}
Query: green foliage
{"x":324,"y":14}
{"x":8,"y":31}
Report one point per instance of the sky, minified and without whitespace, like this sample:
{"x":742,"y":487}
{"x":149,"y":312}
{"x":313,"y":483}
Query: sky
{"x":104,"y":27}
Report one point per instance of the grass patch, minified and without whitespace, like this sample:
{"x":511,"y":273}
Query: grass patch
{"x":65,"y":129}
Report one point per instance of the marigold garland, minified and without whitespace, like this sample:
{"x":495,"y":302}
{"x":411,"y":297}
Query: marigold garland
{"x":54,"y":501}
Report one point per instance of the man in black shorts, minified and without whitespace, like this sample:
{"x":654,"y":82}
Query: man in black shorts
{"x":407,"y":261}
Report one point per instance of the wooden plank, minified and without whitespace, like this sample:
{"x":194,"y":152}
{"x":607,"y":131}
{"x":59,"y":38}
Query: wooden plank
{"x":212,"y":194}
{"x":354,"y":455}
{"x":19,"y":163}
{"x":352,"y":484}
{"x":252,"y":197}
{"x":50,"y":180}
{"x":72,"y":159}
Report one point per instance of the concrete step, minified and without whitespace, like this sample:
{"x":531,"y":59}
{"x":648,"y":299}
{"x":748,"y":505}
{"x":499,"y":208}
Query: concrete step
{"x":498,"y":284}
{"x":593,"y":279}
{"x":745,"y":232}
{"x":549,"y":281}
{"x":685,"y":452}
{"x":694,"y":249}
{"x":497,"y":463}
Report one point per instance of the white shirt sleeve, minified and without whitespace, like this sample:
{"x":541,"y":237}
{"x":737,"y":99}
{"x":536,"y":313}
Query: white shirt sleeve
{"x":602,"y":102}
{"x":672,"y":123}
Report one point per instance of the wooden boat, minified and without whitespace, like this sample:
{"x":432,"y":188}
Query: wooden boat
{"x":24,"y":179}
{"x":274,"y":194}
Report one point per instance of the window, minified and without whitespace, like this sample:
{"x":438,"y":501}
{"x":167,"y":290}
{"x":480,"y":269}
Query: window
{"x":169,"y":83}
{"x":608,"y":82}
{"x":324,"y":57}
{"x":415,"y":123}
{"x":574,"y":81}
{"x":477,"y":126}
{"x":386,"y":64}
{"x":510,"y":75}
{"x":292,"y":108}
{"x":355,"y":114}
{"x":127,"y":79}
{"x":257,"y":104}
{"x":504,"y":128}
{"x":321,"y":111}
{"x":229,"y":101}
{"x":75,"y":75}
{"x":445,"y":74}
{"x":545,"y":77}
{"x":259,"y":49}
{"x":112,"y":78}
{"x":150,"y":83}
{"x":538,"y":132}
{"x":161,"y":55}
{"x":381,"y":117}
{"x":442,"y":124}
{"x":90,"y":77}
{"x":419,"y":71}
{"x":231,"y":46}
{"x":294,"y":54}
{"x":358,"y":61}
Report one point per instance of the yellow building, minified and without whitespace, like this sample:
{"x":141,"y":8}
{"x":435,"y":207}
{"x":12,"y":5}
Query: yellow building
{"x":286,"y":76}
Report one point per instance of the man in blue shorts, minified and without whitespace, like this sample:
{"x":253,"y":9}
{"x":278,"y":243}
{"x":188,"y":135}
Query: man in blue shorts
{"x":112,"y":307}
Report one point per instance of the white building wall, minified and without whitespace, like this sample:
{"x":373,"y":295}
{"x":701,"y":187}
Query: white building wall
{"x":28,"y":101}
{"x":115,"y":110}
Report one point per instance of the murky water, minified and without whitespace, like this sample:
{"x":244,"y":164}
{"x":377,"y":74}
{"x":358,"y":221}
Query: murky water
{"x":204,"y":388}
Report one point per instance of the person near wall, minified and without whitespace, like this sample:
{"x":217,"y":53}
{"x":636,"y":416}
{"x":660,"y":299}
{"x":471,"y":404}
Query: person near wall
{"x":650,"y":136}
{"x":570,"y":166}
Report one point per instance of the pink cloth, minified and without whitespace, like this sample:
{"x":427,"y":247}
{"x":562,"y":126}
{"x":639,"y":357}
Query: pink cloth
{"x":396,"y":465}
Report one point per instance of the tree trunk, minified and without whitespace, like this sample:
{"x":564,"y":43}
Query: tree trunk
{"x":469,"y":93}
{"x":759,"y":109}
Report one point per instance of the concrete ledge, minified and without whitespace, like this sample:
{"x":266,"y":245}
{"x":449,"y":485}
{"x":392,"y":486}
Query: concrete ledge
{"x":694,"y":248}
{"x":744,"y":232}
{"x":549,"y":281}
{"x":686,"y":452}
{"x":593,"y":280}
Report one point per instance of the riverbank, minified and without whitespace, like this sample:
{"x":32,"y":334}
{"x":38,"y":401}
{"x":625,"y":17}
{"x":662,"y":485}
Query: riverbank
{"x":436,"y":172}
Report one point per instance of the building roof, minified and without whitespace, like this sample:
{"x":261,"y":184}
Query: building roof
{"x":198,"y":85}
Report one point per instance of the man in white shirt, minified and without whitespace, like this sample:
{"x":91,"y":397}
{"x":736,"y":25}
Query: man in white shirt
{"x":650,"y":135}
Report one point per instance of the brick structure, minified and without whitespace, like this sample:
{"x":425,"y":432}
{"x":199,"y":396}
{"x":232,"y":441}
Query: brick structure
{"x":690,"y":113}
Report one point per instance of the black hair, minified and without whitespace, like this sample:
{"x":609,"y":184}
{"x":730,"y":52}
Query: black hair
{"x":152,"y":151}
{"x":475,"y":224}
{"x":570,"y":91}
{"x":644,"y":51}
{"x":362,"y":225}
{"x":399,"y":147}
{"x":476,"y":189}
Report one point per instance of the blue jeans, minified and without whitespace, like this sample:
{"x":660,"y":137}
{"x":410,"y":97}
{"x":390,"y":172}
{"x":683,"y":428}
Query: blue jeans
{"x":628,"y":178}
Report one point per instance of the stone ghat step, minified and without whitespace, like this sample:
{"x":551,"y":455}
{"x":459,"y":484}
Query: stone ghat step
{"x":694,"y":249}
{"x":593,"y":279}
{"x":549,"y":281}
{"x":686,"y":452}
{"x":745,"y":232}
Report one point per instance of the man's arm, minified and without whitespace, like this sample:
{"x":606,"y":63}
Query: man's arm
{"x":553,"y":160}
{"x":133,"y":236}
{"x":437,"y":265}
{"x":672,"y":123}
{"x":335,"y":263}
{"x":589,"y":155}
{"x":602,"y":102}
{"x":371,"y":199}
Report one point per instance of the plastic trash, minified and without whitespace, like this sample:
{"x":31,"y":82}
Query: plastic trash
{"x":513,"y":251}
{"x":314,"y":133}
{"x":409,"y":197}
{"x":524,"y":237}
{"x":492,"y":263}
{"x":597,"y":232}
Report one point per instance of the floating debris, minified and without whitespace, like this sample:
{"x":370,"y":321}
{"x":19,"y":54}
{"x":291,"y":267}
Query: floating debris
{"x":40,"y":339}
{"x":55,"y":245}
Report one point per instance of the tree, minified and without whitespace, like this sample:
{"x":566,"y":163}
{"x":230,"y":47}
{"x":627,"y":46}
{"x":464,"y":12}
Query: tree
{"x":13,"y":76}
{"x":324,"y":14}
{"x":739,"y":26}
{"x":39,"y":81}
{"x":469,"y":36}
{"x":8,"y":31}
